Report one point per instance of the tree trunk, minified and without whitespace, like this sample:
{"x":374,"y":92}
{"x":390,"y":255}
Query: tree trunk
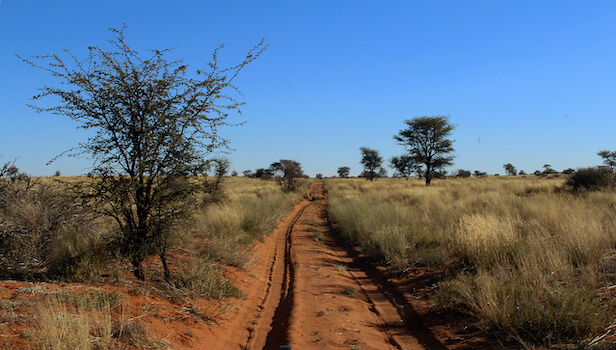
{"x":428,"y":173}
{"x":163,"y":258}
{"x":138,"y":269}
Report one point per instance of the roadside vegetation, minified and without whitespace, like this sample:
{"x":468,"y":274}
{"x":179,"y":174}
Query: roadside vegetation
{"x":530,"y":257}
{"x":249,"y":209}
{"x":48,"y":237}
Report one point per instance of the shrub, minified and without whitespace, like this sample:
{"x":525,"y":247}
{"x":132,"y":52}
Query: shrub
{"x":41,"y":226}
{"x":591,"y":179}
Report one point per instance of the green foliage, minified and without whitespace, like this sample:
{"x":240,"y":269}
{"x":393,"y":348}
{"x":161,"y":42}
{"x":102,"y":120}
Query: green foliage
{"x":609,"y":158}
{"x":510,"y":169}
{"x":213,"y":186}
{"x":371,"y":160}
{"x":344,"y":171}
{"x":153,"y":126}
{"x":427,"y":142}
{"x":547,"y":169}
{"x":462,"y":173}
{"x":404,"y":165}
{"x":288,"y":173}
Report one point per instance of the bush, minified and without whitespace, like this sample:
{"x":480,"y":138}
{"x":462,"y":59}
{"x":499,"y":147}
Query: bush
{"x":42,"y":227}
{"x":591,"y":179}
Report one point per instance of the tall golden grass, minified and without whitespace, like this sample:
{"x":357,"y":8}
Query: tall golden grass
{"x":531,"y":253}
{"x":249,"y":209}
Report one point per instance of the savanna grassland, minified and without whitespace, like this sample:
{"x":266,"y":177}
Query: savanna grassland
{"x":527,"y":258}
{"x":65,"y":287}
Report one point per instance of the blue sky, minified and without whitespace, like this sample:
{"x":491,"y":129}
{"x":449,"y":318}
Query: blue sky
{"x":527,"y":82}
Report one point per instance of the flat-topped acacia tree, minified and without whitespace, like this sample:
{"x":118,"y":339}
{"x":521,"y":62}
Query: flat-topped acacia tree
{"x":427,"y":142}
{"x":153,"y":125}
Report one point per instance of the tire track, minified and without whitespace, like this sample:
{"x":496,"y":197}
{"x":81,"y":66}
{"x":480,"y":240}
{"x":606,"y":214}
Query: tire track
{"x":272,"y":328}
{"x":309,"y":303}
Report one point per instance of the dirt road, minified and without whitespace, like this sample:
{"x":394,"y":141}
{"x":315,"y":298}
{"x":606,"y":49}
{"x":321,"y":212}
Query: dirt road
{"x":318,"y":296}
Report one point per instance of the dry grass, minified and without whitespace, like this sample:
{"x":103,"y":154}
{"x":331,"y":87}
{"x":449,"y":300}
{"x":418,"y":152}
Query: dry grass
{"x":531,"y":253}
{"x":79,"y":325}
{"x":250,"y":210}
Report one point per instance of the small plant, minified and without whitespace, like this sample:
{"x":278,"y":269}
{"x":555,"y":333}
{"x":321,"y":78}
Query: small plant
{"x":76,"y":326}
{"x":131,"y":332}
{"x":316,"y":235}
{"x":346,"y":309}
{"x":88,"y":302}
{"x":350,"y":291}
{"x":317,"y":337}
{"x":342,"y":268}
{"x":202,"y":280}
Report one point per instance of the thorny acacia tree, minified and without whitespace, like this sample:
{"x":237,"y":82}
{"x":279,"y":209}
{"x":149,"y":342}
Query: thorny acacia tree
{"x":427,"y":142}
{"x":344,"y":171}
{"x":288,"y":172}
{"x":371,"y":160}
{"x":609,"y":158}
{"x":153,"y":127}
{"x":510,"y":169}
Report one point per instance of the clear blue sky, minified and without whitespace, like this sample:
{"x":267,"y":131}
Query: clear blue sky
{"x":527,"y":82}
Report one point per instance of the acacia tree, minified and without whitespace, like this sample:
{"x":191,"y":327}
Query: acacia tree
{"x":371,"y":160}
{"x":220,"y":167}
{"x":609,"y":158}
{"x":510,"y":169}
{"x":153,"y":125}
{"x":288,"y":172}
{"x":427,"y":142}
{"x":344,"y":171}
{"x":404,"y":166}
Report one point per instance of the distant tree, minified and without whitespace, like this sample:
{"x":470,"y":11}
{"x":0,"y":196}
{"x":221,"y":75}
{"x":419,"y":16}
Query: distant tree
{"x":371,"y":160}
{"x":248,"y":173}
{"x":382,"y":172}
{"x":57,"y":173}
{"x":609,"y":158}
{"x":288,"y":172}
{"x":344,"y":171}
{"x":479,"y":173}
{"x":234,"y":173}
{"x":538,"y":172}
{"x":547,"y":169}
{"x":264,"y":174}
{"x":510,"y":169}
{"x":404,"y":165}
{"x":462,"y":173}
{"x":568,"y":171}
{"x":152,"y":125}
{"x":319,"y":176}
{"x":427,"y":142}
{"x":522,"y":172}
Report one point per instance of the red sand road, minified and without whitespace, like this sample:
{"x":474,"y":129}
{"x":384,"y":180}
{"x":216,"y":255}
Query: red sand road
{"x":318,"y":297}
